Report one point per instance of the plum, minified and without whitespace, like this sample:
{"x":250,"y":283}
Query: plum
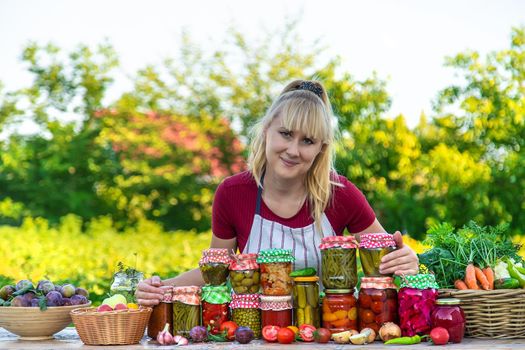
{"x":78,"y":300}
{"x":67,"y":290}
{"x":58,"y":287}
{"x":66,"y":302}
{"x":244,"y":335}
{"x":34,"y":302}
{"x":29,"y":296}
{"x":82,"y":291}
{"x":24,"y":284}
{"x":6,"y":291}
{"x":45,"y":286}
{"x":20,"y":301}
{"x":199,"y":334}
{"x":54,"y":298}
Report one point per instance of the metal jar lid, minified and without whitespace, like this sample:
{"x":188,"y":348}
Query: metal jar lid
{"x":339,"y":291}
{"x":448,"y":301}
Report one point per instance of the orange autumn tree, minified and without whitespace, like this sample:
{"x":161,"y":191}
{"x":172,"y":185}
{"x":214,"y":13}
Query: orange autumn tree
{"x":170,"y":165}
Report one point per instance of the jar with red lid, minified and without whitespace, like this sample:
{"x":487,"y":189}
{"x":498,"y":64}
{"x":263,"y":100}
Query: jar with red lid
{"x":449,"y":315}
{"x":186,"y":309}
{"x":417,"y":297}
{"x":276,"y":310}
{"x":246,"y":312}
{"x":276,"y":266}
{"x":161,"y":314}
{"x":215,"y":306}
{"x":244,"y":274}
{"x":214,"y":265}
{"x":306,"y":301}
{"x":339,"y":310}
{"x":377,"y":302}
{"x":339,"y":267}
{"x":372,"y":248}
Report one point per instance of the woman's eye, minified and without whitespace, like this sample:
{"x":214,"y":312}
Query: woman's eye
{"x":308,"y":141}
{"x":285,"y":133}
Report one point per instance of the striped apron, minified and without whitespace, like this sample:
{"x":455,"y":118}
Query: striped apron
{"x":304,"y":241}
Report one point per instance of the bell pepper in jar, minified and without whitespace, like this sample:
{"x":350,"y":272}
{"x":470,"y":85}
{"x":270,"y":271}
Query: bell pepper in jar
{"x":214,"y":265}
{"x":377,"y":302}
{"x":372,"y":248}
{"x":339,"y":310}
{"x":244,"y":274}
{"x":339,"y":267}
{"x":215,"y":307}
{"x":417,"y":297}
{"x":276,"y":266}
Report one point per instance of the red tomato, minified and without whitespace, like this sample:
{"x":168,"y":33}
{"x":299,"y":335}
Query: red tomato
{"x":306,"y":332}
{"x":377,"y":307}
{"x":269,"y":333}
{"x":439,"y":336}
{"x":285,"y":336}
{"x":230,"y":327}
{"x":322,"y":335}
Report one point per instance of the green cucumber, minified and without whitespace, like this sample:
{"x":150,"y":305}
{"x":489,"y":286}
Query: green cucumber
{"x":506,"y":283}
{"x":306,"y":272}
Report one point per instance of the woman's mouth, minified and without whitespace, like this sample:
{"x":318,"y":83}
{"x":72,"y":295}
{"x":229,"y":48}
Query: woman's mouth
{"x":289,"y":163}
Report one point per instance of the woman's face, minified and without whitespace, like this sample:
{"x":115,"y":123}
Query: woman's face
{"x":289,"y":153}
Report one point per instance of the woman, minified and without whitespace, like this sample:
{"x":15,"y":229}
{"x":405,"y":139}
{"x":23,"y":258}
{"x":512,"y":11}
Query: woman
{"x":291,"y":195}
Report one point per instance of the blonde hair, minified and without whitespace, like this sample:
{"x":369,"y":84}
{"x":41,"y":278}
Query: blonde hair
{"x":303,"y":105}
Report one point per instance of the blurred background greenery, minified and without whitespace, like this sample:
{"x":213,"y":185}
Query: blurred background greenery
{"x":134,"y":181}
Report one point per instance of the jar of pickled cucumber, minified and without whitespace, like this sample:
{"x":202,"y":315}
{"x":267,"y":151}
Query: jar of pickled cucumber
{"x":186,"y":309}
{"x":245,"y":312}
{"x":215,"y":307}
{"x":306,"y":301}
{"x":276,"y":266}
{"x":377,"y":303}
{"x":372,"y":248}
{"x":244,"y":274}
{"x":214,"y":265}
{"x":276,"y":311}
{"x":162,"y":313}
{"x":339,"y":268}
{"x":417,"y":297}
{"x":339,"y":310}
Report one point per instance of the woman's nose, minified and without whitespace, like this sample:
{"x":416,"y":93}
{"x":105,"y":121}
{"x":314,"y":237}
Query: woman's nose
{"x":293,"y":148}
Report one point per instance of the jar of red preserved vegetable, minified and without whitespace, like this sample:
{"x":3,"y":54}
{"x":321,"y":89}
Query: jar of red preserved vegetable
{"x":244,"y":274}
{"x":339,"y":310}
{"x":372,"y":248}
{"x":215,"y":306}
{"x":449,"y":315}
{"x":417,"y":296}
{"x":161,"y":314}
{"x":377,"y":303}
{"x":276,"y":266}
{"x":276,"y":311}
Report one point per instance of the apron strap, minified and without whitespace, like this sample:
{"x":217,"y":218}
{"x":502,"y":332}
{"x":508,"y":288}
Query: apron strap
{"x":259,"y":197}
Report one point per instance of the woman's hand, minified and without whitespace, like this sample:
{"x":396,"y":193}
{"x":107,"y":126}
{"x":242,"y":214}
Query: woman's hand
{"x":148,"y":292}
{"x":402,"y":261}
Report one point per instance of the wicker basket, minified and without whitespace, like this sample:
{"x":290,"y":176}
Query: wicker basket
{"x":122,"y":327}
{"x":492,"y":314}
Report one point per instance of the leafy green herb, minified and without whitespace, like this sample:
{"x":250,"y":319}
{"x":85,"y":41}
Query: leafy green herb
{"x":454,"y":249}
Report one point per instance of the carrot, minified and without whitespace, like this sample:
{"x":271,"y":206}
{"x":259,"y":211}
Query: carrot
{"x":489,"y":273}
{"x":480,"y":276}
{"x":470,"y":277}
{"x":459,"y":284}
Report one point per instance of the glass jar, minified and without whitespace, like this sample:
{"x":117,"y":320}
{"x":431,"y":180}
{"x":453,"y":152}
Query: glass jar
{"x":161,"y":314}
{"x":416,"y":298}
{"x":276,"y":311}
{"x":372,"y":248}
{"x":377,"y":302}
{"x":214,"y":265}
{"x":244,"y":274}
{"x":306,"y":301}
{"x":276,"y":266}
{"x":339,"y":310}
{"x":245,"y":312}
{"x":449,"y":315}
{"x":186,"y":309}
{"x":215,"y":306}
{"x":338,"y":268}
{"x":125,"y":282}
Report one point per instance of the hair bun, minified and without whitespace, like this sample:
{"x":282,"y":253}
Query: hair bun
{"x":312,"y":87}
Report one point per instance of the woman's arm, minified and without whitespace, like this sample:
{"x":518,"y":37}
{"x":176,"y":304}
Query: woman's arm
{"x":402,"y":261}
{"x":148,"y":292}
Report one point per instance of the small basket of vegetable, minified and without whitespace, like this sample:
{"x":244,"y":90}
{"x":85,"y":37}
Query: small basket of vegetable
{"x":481,"y":267}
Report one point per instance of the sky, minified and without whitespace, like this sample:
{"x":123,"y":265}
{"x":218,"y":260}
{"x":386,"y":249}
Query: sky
{"x":404,"y":41}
